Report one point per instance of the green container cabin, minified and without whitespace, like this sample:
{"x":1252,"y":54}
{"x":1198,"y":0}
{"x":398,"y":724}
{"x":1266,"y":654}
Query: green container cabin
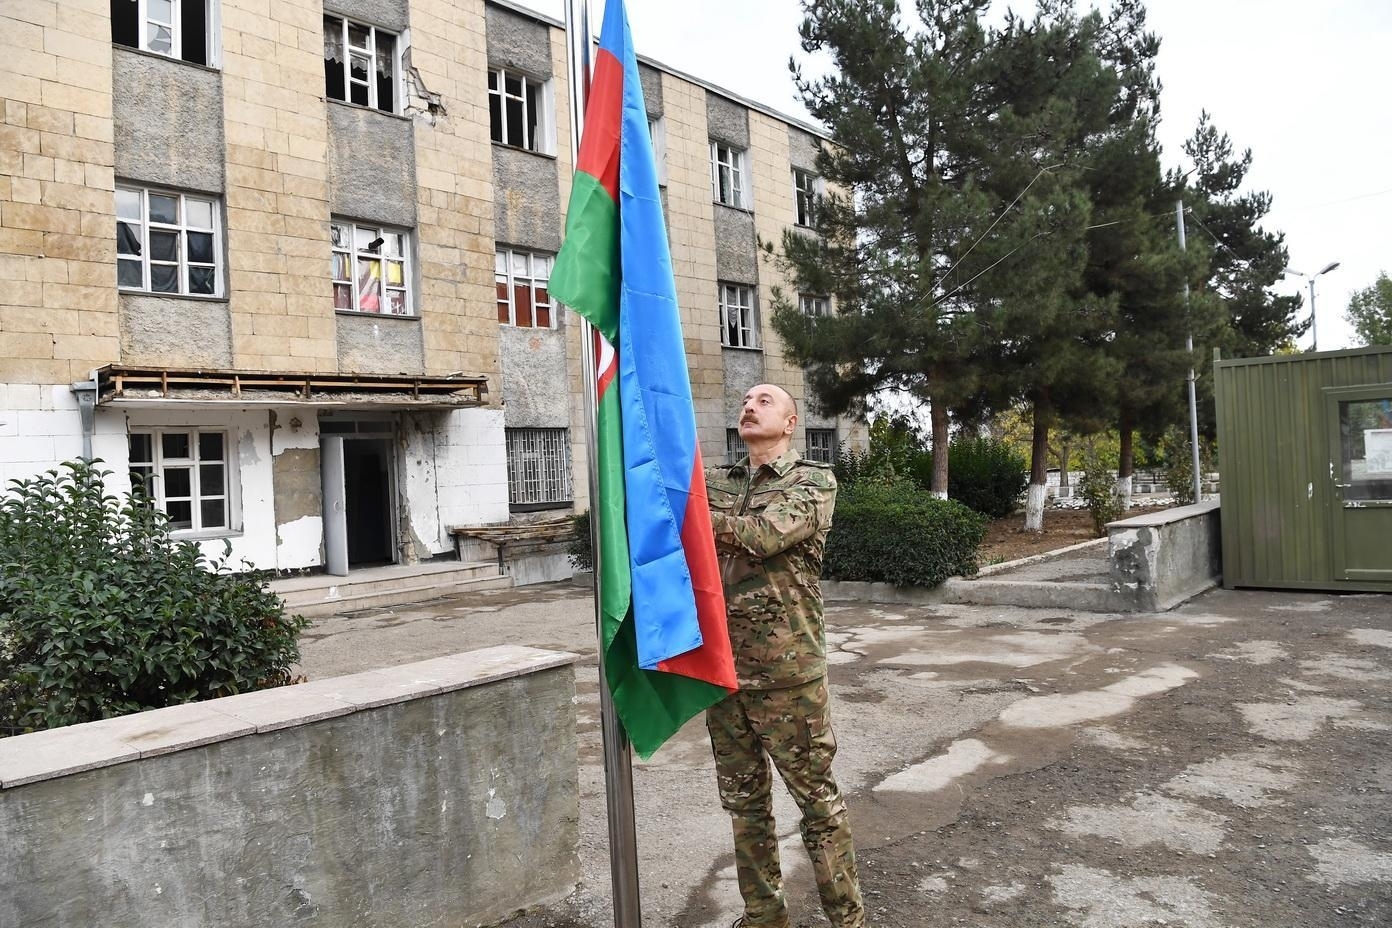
{"x":1305,"y":450}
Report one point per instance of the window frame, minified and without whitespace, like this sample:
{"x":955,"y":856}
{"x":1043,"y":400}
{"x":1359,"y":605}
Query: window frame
{"x":548,"y":483}
{"x":504,"y":277}
{"x":809,"y":303}
{"x":731,"y":166}
{"x":735,"y":448}
{"x":825,"y":455}
{"x":144,"y":226}
{"x":355,"y":232}
{"x":807,"y":190}
{"x":152,"y":474}
{"x":370,"y":50}
{"x":745,"y":333}
{"x":657,"y":132}
{"x":534,"y":97}
{"x":175,"y":25}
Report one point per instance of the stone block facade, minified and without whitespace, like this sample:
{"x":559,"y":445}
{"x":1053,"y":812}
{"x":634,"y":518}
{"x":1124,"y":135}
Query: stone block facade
{"x":233,"y":197}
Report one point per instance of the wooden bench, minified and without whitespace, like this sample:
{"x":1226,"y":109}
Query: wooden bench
{"x":516,"y":538}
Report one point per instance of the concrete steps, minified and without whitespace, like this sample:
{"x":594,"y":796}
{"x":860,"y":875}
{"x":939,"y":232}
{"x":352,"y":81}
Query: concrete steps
{"x":318,"y":595}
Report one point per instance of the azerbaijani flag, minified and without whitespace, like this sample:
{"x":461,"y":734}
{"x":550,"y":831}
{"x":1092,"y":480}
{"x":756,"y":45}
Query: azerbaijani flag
{"x":662,"y":608}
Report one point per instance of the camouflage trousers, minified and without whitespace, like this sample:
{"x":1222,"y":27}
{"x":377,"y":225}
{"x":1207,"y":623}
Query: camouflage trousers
{"x":793,"y":727}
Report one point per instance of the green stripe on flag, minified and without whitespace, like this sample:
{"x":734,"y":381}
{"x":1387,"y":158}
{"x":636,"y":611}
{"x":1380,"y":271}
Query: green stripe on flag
{"x":586,"y":275}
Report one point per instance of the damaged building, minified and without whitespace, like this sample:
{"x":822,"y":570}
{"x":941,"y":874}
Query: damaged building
{"x":287,"y":265}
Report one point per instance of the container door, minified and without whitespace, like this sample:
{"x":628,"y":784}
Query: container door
{"x":335,"y":505}
{"x":1361,"y":467}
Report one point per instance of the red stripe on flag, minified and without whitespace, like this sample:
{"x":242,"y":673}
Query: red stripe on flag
{"x":606,"y":364}
{"x":713,"y":661}
{"x":599,"y":147}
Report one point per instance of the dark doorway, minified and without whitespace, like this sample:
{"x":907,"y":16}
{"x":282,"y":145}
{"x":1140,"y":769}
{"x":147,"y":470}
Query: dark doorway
{"x":367,"y":470}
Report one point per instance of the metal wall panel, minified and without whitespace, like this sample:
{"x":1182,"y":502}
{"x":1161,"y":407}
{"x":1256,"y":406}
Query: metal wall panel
{"x":1281,"y":504}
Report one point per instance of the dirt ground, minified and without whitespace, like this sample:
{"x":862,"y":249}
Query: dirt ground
{"x":1006,"y":541}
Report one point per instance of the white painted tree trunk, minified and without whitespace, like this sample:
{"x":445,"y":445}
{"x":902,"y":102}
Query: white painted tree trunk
{"x":1034,"y":507}
{"x":1124,"y":491}
{"x":938,"y":494}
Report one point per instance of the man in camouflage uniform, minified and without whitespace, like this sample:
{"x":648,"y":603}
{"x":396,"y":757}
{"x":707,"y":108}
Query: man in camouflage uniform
{"x":771,"y":513}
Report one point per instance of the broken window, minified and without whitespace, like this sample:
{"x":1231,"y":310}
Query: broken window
{"x":518,"y":110}
{"x":811,"y":304}
{"x":805,"y":193}
{"x":370,"y":269}
{"x":184,"y":474}
{"x":167,"y":242}
{"x":173,"y":28}
{"x":360,"y":64}
{"x":739,"y":324}
{"x":522,"y":279}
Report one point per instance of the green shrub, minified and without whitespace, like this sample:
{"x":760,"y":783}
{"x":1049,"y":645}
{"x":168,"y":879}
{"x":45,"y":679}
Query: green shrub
{"x":579,"y":549}
{"x":983,"y":474}
{"x":1098,"y":488}
{"x":893,"y":452}
{"x":102,"y":613}
{"x":1179,"y":463}
{"x":896,"y":533}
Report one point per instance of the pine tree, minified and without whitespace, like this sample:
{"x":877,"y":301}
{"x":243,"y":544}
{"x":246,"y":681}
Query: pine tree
{"x":906,"y":105}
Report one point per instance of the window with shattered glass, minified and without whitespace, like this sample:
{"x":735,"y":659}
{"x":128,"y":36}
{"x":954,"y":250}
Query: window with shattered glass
{"x":167,"y":242}
{"x":361,"y":64}
{"x":173,"y":28}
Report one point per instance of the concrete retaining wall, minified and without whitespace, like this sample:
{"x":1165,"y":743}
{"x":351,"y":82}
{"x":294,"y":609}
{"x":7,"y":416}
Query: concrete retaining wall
{"x":437,"y":793}
{"x":1160,"y":559}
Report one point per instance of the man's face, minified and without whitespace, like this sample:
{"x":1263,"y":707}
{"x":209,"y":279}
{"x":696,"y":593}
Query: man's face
{"x":767,"y":415}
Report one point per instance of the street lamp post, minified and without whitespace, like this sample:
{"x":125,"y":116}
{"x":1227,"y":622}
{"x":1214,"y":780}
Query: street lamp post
{"x":1314,"y":320}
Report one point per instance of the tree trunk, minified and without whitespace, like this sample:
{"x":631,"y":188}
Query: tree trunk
{"x":937,"y":411}
{"x":1126,"y":466}
{"x":1039,"y":468}
{"x":1065,"y":453}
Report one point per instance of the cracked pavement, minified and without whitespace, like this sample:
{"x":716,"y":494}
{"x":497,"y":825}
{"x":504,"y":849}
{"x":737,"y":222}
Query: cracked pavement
{"x":1225,"y":764}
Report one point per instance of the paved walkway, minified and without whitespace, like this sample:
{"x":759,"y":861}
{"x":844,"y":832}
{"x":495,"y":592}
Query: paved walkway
{"x":1226,"y":764}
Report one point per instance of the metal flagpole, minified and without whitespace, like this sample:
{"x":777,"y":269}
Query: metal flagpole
{"x":1189,"y":347}
{"x":618,"y":756}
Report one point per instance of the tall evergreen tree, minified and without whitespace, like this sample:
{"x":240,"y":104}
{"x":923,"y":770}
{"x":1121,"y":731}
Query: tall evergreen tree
{"x":907,"y":104}
{"x":1245,"y":259}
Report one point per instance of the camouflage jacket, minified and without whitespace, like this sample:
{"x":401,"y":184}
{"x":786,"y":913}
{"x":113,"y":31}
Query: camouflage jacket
{"x":770,"y":529}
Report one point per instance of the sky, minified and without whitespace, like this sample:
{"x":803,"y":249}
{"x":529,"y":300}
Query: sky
{"x":1306,"y":86}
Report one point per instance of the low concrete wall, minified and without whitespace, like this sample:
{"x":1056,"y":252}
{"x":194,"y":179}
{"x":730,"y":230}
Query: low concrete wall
{"x":438,"y":793}
{"x":1160,"y":559}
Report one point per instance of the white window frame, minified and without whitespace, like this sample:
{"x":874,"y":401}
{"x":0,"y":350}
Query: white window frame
{"x":154,"y":474}
{"x":349,"y":250}
{"x":823,"y":447}
{"x":814,"y":304}
{"x":807,"y":189}
{"x":141,"y":227}
{"x":657,"y":131}
{"x":534,"y":98}
{"x":531,"y":270}
{"x":144,"y":20}
{"x":370,"y":51}
{"x":739,"y":316}
{"x":729,"y":175}
{"x":538,"y":467}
